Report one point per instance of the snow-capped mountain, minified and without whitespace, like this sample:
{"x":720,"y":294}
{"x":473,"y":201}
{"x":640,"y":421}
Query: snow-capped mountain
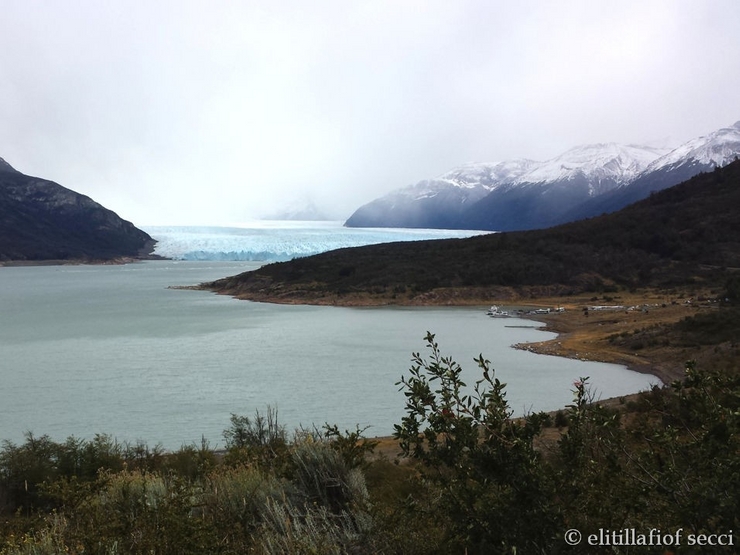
{"x":604,"y":165}
{"x":524,"y":194}
{"x":488,"y":176}
{"x":301,"y":210}
{"x":540,"y":197}
{"x":698,"y":155}
{"x":510,"y":194}
{"x":714,"y":150}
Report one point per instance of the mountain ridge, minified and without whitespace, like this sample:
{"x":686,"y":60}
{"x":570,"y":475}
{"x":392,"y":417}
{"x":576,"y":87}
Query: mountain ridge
{"x":583,"y":181}
{"x":702,"y":154}
{"x":41,"y":220}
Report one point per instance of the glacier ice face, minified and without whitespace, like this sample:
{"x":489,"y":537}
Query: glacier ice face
{"x":278,"y":241}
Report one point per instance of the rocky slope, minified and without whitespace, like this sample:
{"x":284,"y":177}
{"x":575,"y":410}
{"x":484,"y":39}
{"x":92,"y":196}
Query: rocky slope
{"x":41,"y":220}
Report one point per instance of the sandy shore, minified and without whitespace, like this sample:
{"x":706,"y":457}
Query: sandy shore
{"x":585,"y":334}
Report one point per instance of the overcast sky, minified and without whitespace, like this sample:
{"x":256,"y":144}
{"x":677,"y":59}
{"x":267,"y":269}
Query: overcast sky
{"x":207,"y":112}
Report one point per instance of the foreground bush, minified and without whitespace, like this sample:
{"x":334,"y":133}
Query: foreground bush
{"x":492,"y":491}
{"x":671,"y":463}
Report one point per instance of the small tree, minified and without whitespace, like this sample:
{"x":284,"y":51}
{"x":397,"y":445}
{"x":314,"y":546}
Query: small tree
{"x":491,"y":489}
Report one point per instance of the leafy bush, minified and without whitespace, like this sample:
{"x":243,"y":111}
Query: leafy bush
{"x":354,"y":447}
{"x":234,"y":501}
{"x":491,"y":488}
{"x":673,"y":464}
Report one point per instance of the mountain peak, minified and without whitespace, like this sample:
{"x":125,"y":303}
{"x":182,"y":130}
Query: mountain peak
{"x":713,"y":150}
{"x":5,"y":167}
{"x":600,"y":161}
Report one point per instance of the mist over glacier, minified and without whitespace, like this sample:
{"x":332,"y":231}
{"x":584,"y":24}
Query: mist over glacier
{"x":277,"y":241}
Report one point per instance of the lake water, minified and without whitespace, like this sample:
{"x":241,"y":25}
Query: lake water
{"x":110,"y":349}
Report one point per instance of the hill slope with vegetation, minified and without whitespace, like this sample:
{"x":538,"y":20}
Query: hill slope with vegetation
{"x":41,"y":220}
{"x":688,"y":233}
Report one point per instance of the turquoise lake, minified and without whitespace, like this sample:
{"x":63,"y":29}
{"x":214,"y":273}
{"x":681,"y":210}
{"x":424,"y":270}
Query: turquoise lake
{"x":110,"y":349}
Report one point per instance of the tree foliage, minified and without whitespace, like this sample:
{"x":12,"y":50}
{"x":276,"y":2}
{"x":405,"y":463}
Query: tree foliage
{"x":482,"y":463}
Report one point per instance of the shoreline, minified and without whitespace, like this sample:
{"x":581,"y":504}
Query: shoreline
{"x":145,"y":253}
{"x":594,"y":335}
{"x":555,"y":347}
{"x":117,"y":261}
{"x":581,"y":334}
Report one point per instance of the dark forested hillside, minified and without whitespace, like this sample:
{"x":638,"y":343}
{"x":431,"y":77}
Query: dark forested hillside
{"x":41,"y":220}
{"x":688,"y":232}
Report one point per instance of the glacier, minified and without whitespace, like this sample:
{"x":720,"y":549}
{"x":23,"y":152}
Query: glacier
{"x":278,"y":241}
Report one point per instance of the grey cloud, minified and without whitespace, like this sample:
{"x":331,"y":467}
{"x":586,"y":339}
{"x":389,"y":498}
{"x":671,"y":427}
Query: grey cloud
{"x":194,"y":111}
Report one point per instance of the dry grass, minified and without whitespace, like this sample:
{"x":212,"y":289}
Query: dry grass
{"x":585,"y":334}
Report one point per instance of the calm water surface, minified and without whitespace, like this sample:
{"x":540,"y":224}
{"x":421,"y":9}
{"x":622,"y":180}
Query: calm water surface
{"x":109,"y":349}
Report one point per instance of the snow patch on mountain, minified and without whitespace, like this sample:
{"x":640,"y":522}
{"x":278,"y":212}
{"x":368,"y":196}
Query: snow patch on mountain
{"x":487,"y":176}
{"x":605,"y":164}
{"x":598,"y":162}
{"x":715,"y":149}
{"x":472,"y":181}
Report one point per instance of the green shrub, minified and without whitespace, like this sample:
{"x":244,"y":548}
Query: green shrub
{"x":234,"y":501}
{"x":314,"y":530}
{"x":491,"y":490}
{"x":260,"y":439}
{"x":354,"y":447}
{"x":322,"y":477}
